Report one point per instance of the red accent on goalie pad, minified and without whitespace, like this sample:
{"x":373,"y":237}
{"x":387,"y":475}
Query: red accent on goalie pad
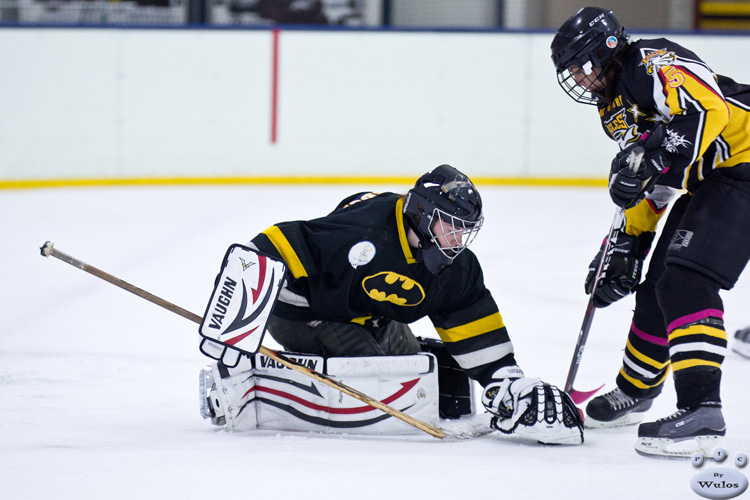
{"x":264,"y":394}
{"x":405,"y":387}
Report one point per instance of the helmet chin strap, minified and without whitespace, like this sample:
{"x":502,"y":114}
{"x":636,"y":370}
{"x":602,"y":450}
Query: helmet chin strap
{"x":434,"y":259}
{"x":427,"y":252}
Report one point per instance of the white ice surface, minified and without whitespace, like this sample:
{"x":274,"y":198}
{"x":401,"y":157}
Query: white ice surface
{"x":98,"y":388}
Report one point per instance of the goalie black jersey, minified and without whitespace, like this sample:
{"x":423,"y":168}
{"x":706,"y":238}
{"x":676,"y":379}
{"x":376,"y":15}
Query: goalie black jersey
{"x":355,"y":265}
{"x":707,"y":115}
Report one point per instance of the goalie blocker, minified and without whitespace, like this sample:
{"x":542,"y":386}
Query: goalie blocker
{"x":244,"y":294}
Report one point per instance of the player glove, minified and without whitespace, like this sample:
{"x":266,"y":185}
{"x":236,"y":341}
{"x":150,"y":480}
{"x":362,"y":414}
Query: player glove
{"x":629,"y":182}
{"x":531,"y":408}
{"x":622,"y":267}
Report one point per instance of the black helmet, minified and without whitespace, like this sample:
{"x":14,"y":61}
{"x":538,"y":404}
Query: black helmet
{"x":590,"y":39}
{"x":443,"y":195}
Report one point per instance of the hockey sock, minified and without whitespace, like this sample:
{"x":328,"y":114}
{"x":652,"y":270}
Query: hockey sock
{"x":646,"y":359}
{"x":694,"y":314}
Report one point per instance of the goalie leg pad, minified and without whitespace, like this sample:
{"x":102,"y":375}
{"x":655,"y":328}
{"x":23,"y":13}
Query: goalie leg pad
{"x":551,"y":417}
{"x":272,"y":396}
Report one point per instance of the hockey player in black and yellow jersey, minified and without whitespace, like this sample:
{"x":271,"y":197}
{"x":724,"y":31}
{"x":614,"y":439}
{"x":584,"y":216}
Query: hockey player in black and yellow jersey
{"x":679,"y":127}
{"x":357,"y":277}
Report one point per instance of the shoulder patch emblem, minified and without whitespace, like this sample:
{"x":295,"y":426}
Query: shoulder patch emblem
{"x":361,"y":253}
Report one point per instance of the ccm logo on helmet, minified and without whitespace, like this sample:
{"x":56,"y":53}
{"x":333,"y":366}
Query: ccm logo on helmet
{"x":596,"y":20}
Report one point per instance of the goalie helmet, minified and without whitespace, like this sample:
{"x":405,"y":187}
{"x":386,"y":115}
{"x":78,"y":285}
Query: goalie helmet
{"x":444,"y":209}
{"x":585,"y":44}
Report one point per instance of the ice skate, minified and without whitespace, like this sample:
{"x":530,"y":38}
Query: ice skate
{"x":615,"y":409}
{"x":682,"y":434}
{"x":210,"y":407}
{"x":741,"y":343}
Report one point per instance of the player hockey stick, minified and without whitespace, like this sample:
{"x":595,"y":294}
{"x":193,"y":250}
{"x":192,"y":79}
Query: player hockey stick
{"x":48,"y":249}
{"x":579,"y":397}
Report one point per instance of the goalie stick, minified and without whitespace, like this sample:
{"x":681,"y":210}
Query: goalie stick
{"x":579,"y":397}
{"x":48,"y":250}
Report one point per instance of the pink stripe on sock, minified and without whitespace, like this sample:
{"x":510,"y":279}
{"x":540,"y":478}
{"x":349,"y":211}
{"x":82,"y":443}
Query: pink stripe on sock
{"x":706,"y":313}
{"x":648,"y":338}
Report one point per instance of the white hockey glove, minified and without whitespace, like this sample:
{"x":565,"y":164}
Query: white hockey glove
{"x":530,"y":408}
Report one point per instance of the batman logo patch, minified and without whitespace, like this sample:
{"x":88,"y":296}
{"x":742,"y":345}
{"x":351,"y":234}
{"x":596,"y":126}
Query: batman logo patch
{"x":393,"y":287}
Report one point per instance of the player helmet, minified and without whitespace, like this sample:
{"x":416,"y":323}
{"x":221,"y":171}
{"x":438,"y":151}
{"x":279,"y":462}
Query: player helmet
{"x":590,"y":39}
{"x":444,"y":209}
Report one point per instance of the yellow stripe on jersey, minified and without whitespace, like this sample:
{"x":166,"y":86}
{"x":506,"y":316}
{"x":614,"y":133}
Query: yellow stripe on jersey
{"x":637,"y":383}
{"x":286,"y":251}
{"x":641,"y":218}
{"x":699,"y":330}
{"x":642,"y":357}
{"x":473,"y":329}
{"x":402,"y":232}
{"x":736,"y":136}
{"x":717,"y":111}
{"x":361,"y":320}
{"x":690,"y":363}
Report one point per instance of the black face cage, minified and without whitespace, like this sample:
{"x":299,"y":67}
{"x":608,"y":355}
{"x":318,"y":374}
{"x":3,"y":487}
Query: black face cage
{"x":578,"y":93}
{"x":455,"y":234}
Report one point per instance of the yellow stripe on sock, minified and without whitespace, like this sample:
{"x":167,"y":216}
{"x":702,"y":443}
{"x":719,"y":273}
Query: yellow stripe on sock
{"x":690,"y":363}
{"x":644,"y":358}
{"x":698,"y":330}
{"x":640,"y":385}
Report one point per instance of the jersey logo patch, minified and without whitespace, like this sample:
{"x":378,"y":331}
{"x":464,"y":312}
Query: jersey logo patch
{"x":388,"y":286}
{"x":361,"y":253}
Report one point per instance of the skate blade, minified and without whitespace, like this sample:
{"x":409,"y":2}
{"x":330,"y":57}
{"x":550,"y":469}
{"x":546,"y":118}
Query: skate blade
{"x":208,"y":398}
{"x":629,"y":419}
{"x":683,"y":449}
{"x":205,"y":384}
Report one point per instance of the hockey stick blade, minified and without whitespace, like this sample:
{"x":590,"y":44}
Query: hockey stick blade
{"x":48,"y":250}
{"x":580,"y":397}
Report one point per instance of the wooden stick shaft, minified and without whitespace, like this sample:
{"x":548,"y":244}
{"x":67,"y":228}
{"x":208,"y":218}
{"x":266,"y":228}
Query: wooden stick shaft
{"x":49,"y":250}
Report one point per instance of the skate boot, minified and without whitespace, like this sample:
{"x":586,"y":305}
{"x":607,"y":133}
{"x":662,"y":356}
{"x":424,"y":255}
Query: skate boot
{"x":682,"y":434}
{"x":615,"y":409}
{"x":210,"y":406}
{"x":741,"y":344}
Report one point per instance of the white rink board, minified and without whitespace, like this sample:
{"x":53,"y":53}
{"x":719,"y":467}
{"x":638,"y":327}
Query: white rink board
{"x":97,"y":103}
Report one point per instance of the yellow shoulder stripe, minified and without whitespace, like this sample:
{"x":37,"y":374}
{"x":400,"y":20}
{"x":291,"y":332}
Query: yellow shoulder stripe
{"x":286,"y":251}
{"x":473,"y":329}
{"x":402,"y":232}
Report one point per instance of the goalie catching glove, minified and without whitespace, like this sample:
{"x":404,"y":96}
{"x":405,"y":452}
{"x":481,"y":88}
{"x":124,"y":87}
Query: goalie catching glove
{"x":530,"y":408}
